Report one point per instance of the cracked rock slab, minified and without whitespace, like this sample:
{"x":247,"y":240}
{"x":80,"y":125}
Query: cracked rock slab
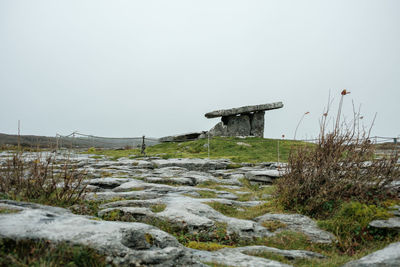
{"x":126,"y":243}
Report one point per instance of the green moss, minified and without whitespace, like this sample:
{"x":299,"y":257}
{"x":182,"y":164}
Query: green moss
{"x":350,"y":224}
{"x":209,"y":246}
{"x":256,"y":192}
{"x":273,"y":225}
{"x":137,"y":189}
{"x":233,"y":166}
{"x":149,"y":238}
{"x":6,"y":211}
{"x":114,"y":215}
{"x":158,"y":207}
{"x":243,"y":212}
{"x":207,"y":194}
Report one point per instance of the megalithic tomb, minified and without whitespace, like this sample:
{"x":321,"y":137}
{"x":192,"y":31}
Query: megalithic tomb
{"x":242,"y":121}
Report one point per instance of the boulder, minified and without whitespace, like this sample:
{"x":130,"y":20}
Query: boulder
{"x":387,"y":257}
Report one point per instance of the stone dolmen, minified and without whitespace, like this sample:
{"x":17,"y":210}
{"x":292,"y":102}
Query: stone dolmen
{"x":242,"y":121}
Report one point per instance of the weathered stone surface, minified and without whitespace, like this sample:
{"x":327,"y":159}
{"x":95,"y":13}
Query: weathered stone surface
{"x":391,"y":223}
{"x":107,"y":183}
{"x":193,"y":164}
{"x":257,"y":124}
{"x":289,"y":254}
{"x":387,"y":257}
{"x":125,"y":243}
{"x":239,"y":256}
{"x":220,"y":129}
{"x":237,"y":125}
{"x":182,"y":137}
{"x":263,"y":175}
{"x":300,"y":223}
{"x":235,"y":258}
{"x":173,"y":180}
{"x":243,"y":110}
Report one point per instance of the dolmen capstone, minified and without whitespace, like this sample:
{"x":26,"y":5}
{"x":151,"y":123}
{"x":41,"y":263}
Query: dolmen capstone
{"x":242,"y":121}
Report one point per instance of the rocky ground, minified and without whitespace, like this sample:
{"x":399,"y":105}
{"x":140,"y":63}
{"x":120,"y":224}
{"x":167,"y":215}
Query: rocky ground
{"x":140,"y":200}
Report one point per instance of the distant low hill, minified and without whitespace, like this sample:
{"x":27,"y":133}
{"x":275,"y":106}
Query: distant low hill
{"x":75,"y":142}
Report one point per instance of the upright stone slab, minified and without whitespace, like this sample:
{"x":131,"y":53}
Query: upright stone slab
{"x":257,"y":124}
{"x":242,"y":121}
{"x":238,"y":125}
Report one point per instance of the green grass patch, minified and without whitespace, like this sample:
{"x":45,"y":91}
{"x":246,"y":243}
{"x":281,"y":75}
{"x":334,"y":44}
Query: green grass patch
{"x":6,"y":210}
{"x":207,"y":194}
{"x":209,"y":246}
{"x":246,"y":213}
{"x":272,"y":226}
{"x":260,"y":150}
{"x":46,"y":253}
{"x":350,"y":225}
{"x":158,"y":207}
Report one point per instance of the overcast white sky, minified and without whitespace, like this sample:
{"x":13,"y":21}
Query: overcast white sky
{"x":127,"y":68}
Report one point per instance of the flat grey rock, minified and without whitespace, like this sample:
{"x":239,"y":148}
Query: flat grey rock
{"x":232,"y":257}
{"x":126,"y":243}
{"x":193,"y":164}
{"x":243,"y":110}
{"x":391,"y":223}
{"x":387,"y":257}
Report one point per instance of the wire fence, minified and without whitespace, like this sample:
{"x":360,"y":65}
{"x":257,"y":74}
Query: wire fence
{"x":85,"y":141}
{"x":80,"y":140}
{"x":374,"y":140}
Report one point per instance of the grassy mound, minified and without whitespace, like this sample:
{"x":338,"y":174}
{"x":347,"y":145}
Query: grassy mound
{"x":236,"y":149}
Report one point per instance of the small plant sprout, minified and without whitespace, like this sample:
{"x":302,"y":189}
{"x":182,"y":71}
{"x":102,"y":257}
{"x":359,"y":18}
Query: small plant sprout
{"x":297,"y":127}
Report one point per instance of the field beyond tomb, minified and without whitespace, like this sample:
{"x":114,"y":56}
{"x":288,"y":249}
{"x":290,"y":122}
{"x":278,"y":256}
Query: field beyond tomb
{"x":250,"y":149}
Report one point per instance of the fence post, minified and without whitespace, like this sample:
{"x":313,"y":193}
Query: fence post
{"x":143,"y":146}
{"x":208,"y":144}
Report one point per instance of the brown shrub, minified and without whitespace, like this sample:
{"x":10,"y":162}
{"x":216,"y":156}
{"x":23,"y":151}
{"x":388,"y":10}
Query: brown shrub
{"x":341,"y":166}
{"x":41,"y":180}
